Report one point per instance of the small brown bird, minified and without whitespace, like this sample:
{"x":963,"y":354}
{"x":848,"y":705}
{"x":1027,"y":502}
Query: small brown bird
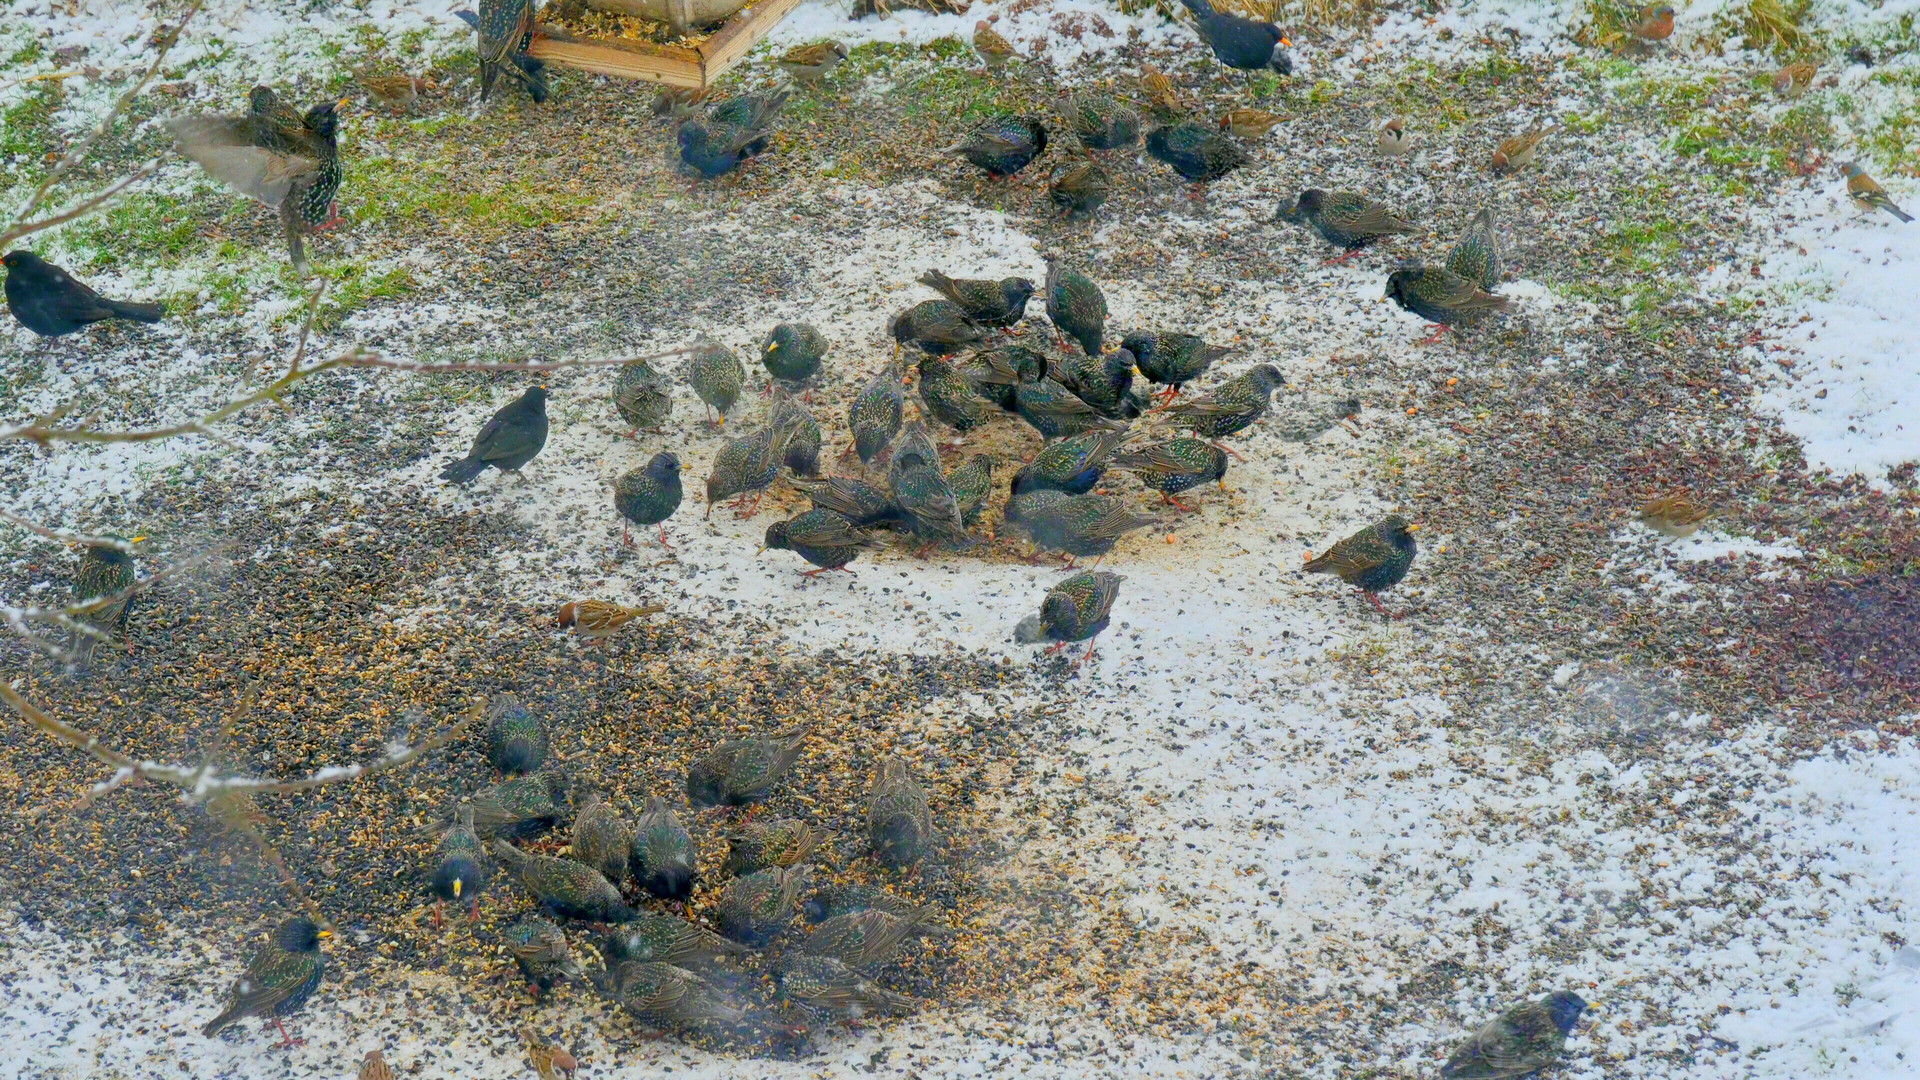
{"x":680,"y":102}
{"x":1867,"y":193}
{"x":811,"y":63}
{"x":1517,"y":153}
{"x":395,"y":91}
{"x":1394,"y":139}
{"x":375,"y":1067}
{"x":1656,"y":24}
{"x":1794,"y":79}
{"x":994,"y":49}
{"x":1249,"y":123}
{"x":1675,"y":514}
{"x":1163,"y":101}
{"x":592,"y":619}
{"x":549,"y":1059}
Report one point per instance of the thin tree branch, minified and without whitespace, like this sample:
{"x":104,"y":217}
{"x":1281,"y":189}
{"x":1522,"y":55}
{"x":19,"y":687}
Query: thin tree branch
{"x":65,"y":537}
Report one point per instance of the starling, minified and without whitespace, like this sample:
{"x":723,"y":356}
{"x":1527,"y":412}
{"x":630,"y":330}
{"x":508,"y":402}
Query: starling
{"x":989,"y":303}
{"x":822,"y":537}
{"x":1441,"y":296}
{"x":754,"y":846}
{"x":744,"y":466}
{"x":1078,"y":187}
{"x":1244,"y":44}
{"x":1395,"y":140}
{"x":874,"y":417}
{"x":518,"y":66}
{"x":1522,"y":1040}
{"x":899,"y":824}
{"x":1793,"y":80}
{"x":1057,"y":412}
{"x":511,"y":439}
{"x":103,"y":572}
{"x":648,"y":495}
{"x":920,"y":489}
{"x":811,"y":63}
{"x":717,"y":375}
{"x":374,"y":1067}
{"x":278,"y":980}
{"x":1082,"y":526}
{"x":286,"y":160}
{"x":733,"y":131}
{"x":1076,"y":305}
{"x":936,"y":327}
{"x":754,"y":909}
{"x":860,"y":938}
{"x":541,"y":950}
{"x":827,"y":989}
{"x":566,"y":888}
{"x":1104,"y":381}
{"x":1516,"y":153}
{"x":596,"y":619}
{"x":994,"y":49}
{"x":949,"y":397}
{"x":461,"y":871}
{"x":662,"y":857}
{"x":1867,"y":193}
{"x":550,"y":1060}
{"x":1674,"y":515}
{"x":996,"y":372}
{"x":1198,"y":153}
{"x":1233,"y":406}
{"x":1372,"y":560}
{"x":49,"y":302}
{"x":505,"y":28}
{"x":520,"y":807}
{"x":971,"y":482}
{"x":663,"y":939}
{"x":1655,"y":24}
{"x":642,"y":396}
{"x":1173,"y":466}
{"x":797,"y":432}
{"x":668,"y":998}
{"x":1344,"y":219}
{"x":1072,"y":465}
{"x":1249,"y":123}
{"x":1098,"y":121}
{"x":839,"y":899}
{"x":791,"y":352}
{"x":516,"y":739}
{"x":1173,"y":360}
{"x":1001,"y":145}
{"x":741,"y":771}
{"x":1076,"y":609}
{"x":915,"y":447}
{"x":856,"y":500}
{"x":600,"y":839}
{"x":1476,"y":258}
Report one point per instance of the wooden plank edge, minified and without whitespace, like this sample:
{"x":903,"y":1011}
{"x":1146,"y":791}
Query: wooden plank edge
{"x":622,"y":63}
{"x":741,"y":33}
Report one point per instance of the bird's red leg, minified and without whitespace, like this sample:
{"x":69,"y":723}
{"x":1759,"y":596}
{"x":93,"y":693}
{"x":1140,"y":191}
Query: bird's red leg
{"x":663,"y":538}
{"x":473,"y":912}
{"x":1164,"y":497}
{"x":1377,"y":605}
{"x":1056,"y":647}
{"x":1168,"y":394}
{"x":1434,"y":338}
{"x":626,"y":535}
{"x":1088,"y":655}
{"x":1197,"y":192}
{"x":286,"y":1040}
{"x":436,"y":914}
{"x":1228,"y":450}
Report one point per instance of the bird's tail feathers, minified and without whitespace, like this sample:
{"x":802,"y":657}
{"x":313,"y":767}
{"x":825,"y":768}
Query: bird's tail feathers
{"x":220,"y":1023}
{"x":146,"y":313}
{"x":464,"y":471}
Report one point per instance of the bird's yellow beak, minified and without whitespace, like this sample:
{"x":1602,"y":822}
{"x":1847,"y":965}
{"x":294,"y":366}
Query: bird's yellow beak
{"x":1415,"y":527}
{"x":136,"y":539}
{"x":325,"y":934}
{"x":773,"y":346}
{"x":762,"y":551}
{"x":456,"y":888}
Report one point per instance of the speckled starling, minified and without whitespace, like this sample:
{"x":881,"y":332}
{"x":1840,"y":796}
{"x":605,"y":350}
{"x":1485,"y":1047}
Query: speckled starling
{"x":505,"y":29}
{"x":754,"y":909}
{"x":597,"y":619}
{"x":648,"y":495}
{"x":841,"y":897}
{"x":937,"y":327}
{"x":874,"y":417}
{"x":822,"y":537}
{"x":1072,"y":465}
{"x":278,"y":980}
{"x":827,"y":990}
{"x":1175,"y":465}
{"x":1477,"y":256}
{"x":914,"y":447}
{"x":1520,"y":1041}
{"x":756,"y":845}
{"x":1001,"y":145}
{"x":1198,"y":153}
{"x":1241,"y":43}
{"x":1442,"y":297}
{"x":949,"y":397}
{"x":1098,"y":121}
{"x":1172,"y":360}
{"x":920,"y":489}
{"x":520,"y":807}
{"x":899,"y":823}
{"x":1345,"y":219}
{"x":564,"y":887}
{"x":791,"y":352}
{"x":995,"y":372}
{"x":103,"y":572}
{"x":664,"y":939}
{"x":511,"y":439}
{"x":516,"y":739}
{"x":1057,"y":412}
{"x":668,"y":998}
{"x":860,"y":938}
{"x":601,"y":839}
{"x":284,"y":159}
{"x":1371,"y":560}
{"x":642,"y":396}
{"x":796,"y":431}
{"x":1076,"y":305}
{"x":460,"y":870}
{"x":1232,"y":407}
{"x":518,"y":66}
{"x":743,"y":466}
{"x":1104,"y":381}
{"x":856,"y":500}
{"x":971,"y":482}
{"x":662,"y":856}
{"x":741,"y":771}
{"x":1076,"y":609}
{"x":989,"y":303}
{"x":541,"y":950}
{"x":1082,"y":526}
{"x":733,"y":131}
{"x":1079,"y":187}
{"x":49,"y":302}
{"x":717,"y":376}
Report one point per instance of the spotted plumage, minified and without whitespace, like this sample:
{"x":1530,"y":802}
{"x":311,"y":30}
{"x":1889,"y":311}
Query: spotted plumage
{"x":860,"y":938}
{"x":520,"y":806}
{"x":1076,"y":609}
{"x":1200,"y":154}
{"x":733,"y":131}
{"x":541,"y":950}
{"x":920,"y":489}
{"x":988,"y":303}
{"x":505,"y":28}
{"x":899,"y":822}
{"x":1345,"y":219}
{"x":668,"y":998}
{"x":1098,"y":121}
{"x":1476,"y":257}
{"x":744,"y":465}
{"x":662,"y":858}
{"x":650,"y":494}
{"x":1172,"y":359}
{"x":1002,"y":145}
{"x":1082,"y":526}
{"x":601,"y":839}
{"x":516,"y":739}
{"x":840,"y":898}
{"x":1079,"y":187}
{"x":856,"y":500}
{"x":1441,"y":296}
{"x":1372,"y":560}
{"x":876,"y":412}
{"x":104,"y":573}
{"x":1175,"y":465}
{"x":796,"y":432}
{"x":1104,"y":381}
{"x":971,"y":482}
{"x":1057,"y":412}
{"x":756,"y":845}
{"x":664,"y":939}
{"x":278,"y":980}
{"x":792,"y":352}
{"x":1521,"y":1041}
{"x":995,"y":373}
{"x":1072,"y":465}
{"x":717,"y":376}
{"x":564,"y":887}
{"x":283,"y":159}
{"x":822,"y":537}
{"x":1232,"y":407}
{"x":460,"y":867}
{"x":936,"y":327}
{"x":948,"y":396}
{"x":828,"y":990}
{"x":741,"y":771}
{"x":1076,"y":305}
{"x":642,"y":396}
{"x":756,"y":907}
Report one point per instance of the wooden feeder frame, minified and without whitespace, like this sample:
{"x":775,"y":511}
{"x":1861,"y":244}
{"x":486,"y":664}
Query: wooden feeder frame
{"x":671,"y":65}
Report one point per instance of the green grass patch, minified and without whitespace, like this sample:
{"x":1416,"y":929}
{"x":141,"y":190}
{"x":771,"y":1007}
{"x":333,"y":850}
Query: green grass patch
{"x":138,"y":229}
{"x":26,"y":128}
{"x":403,"y":190}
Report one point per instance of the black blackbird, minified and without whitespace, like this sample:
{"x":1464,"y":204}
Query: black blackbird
{"x":49,"y":302}
{"x":1246,"y":44}
{"x":511,"y":439}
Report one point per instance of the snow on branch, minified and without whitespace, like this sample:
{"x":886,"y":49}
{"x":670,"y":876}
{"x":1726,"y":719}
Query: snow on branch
{"x":70,"y":616}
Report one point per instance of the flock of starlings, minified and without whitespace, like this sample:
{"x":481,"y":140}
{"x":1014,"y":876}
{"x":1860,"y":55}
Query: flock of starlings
{"x":1082,"y":400}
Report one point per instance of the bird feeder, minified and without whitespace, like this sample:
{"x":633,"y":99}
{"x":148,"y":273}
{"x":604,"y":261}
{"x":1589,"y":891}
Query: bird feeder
{"x":694,"y":67}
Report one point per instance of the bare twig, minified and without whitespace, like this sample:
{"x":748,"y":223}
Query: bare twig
{"x":66,"y":537}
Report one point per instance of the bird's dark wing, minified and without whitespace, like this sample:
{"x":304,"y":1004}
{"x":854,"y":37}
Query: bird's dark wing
{"x":1450,"y":290}
{"x":221,"y":145}
{"x":1371,"y":217}
{"x":826,"y":531}
{"x":274,"y":976}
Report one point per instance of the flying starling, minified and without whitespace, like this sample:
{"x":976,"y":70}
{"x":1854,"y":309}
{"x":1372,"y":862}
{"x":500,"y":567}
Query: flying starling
{"x":1002,"y":145}
{"x":1372,"y":560}
{"x":757,"y":845}
{"x":460,"y":874}
{"x":596,"y":619}
{"x":1476,"y":258}
{"x":516,"y":739}
{"x":796,"y":431}
{"x":1198,"y":153}
{"x":1867,"y":193}
{"x":662,"y":856}
{"x":971,"y":482}
{"x":286,"y":160}
{"x":743,"y":466}
{"x":566,"y":888}
{"x":663,"y":939}
{"x":511,"y":439}
{"x":642,"y":396}
{"x":1057,"y":412}
{"x":1345,"y":219}
{"x":1172,"y":360}
{"x":754,"y":909}
{"x":541,"y":950}
{"x":278,"y":980}
{"x":856,"y":500}
{"x":1076,"y":609}
{"x":1241,"y":43}
{"x":828,"y":990}
{"x":1098,"y":121}
{"x":822,"y":537}
{"x":742,"y":771}
{"x":520,"y":807}
{"x":1175,"y":465}
{"x":1072,"y":465}
{"x":648,"y":495}
{"x":1082,"y":526}
{"x":1104,"y":381}
{"x":861,"y":938}
{"x":840,"y":899}
{"x":1523,"y":1040}
{"x":49,"y":302}
{"x":936,"y":327}
{"x":600,"y":839}
{"x":717,"y":376}
{"x":1079,"y":187}
{"x":989,"y":303}
{"x":1076,"y":305}
{"x":667,"y":998}
{"x":874,"y":417}
{"x":1442,"y":297}
{"x":103,"y":572}
{"x":733,"y":131}
{"x":791,"y":352}
{"x":811,"y":63}
{"x":949,"y":397}
{"x":899,"y":823}
{"x":1518,"y":152}
{"x":1232,"y":407}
